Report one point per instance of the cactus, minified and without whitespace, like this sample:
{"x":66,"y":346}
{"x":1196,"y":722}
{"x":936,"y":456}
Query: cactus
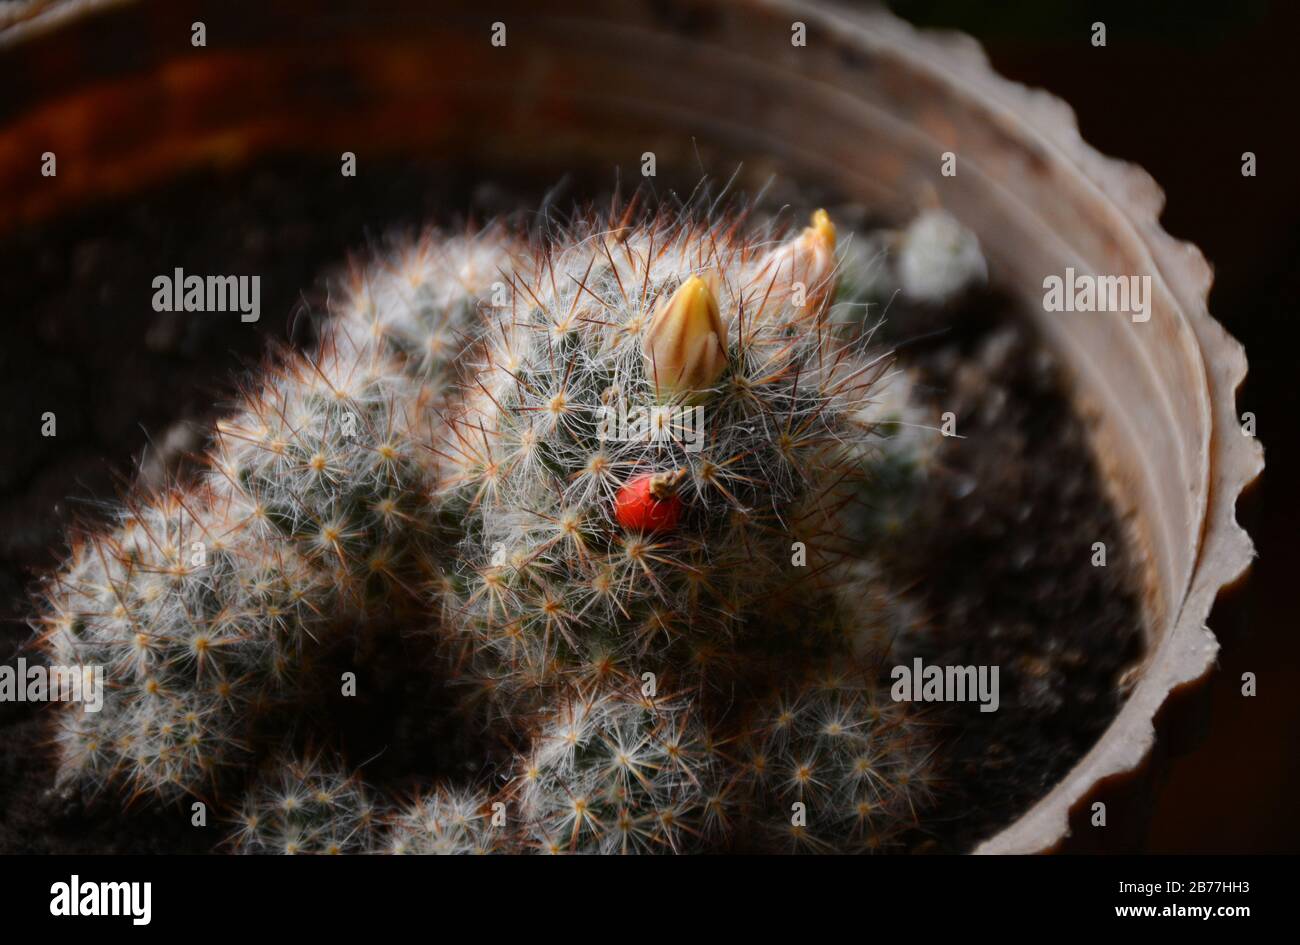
{"x":454,"y":455}
{"x":306,"y":807}
{"x":615,"y":773}
{"x":554,"y":587}
{"x":446,"y":822}
{"x":835,"y":767}
{"x":207,"y":601}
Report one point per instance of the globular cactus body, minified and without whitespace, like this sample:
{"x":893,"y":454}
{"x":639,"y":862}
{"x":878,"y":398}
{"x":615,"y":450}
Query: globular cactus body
{"x":614,"y":773}
{"x":306,"y":807}
{"x":585,"y":543}
{"x":836,"y":767}
{"x":577,"y":466}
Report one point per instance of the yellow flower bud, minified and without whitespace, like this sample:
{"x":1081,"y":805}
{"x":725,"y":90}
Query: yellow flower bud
{"x":685,"y":344}
{"x":799,"y":271}
{"x":816,"y":245}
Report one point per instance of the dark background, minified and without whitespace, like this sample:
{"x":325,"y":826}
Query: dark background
{"x":1183,"y":89}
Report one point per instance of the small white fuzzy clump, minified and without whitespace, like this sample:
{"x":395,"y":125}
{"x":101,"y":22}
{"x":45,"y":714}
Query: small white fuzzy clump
{"x":887,"y":623}
{"x":938,"y":258}
{"x":307,"y":807}
{"x":834,"y":766}
{"x":447,"y":822}
{"x":907,"y":430}
{"x":616,"y":773}
{"x":422,"y":304}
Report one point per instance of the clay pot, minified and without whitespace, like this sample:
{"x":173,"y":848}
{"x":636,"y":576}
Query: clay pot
{"x":864,"y":111}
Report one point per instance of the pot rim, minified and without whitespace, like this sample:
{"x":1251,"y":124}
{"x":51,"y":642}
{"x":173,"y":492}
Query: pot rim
{"x":1232,"y":460}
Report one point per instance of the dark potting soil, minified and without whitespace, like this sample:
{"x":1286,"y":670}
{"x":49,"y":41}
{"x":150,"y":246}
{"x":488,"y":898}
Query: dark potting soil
{"x":999,"y":555}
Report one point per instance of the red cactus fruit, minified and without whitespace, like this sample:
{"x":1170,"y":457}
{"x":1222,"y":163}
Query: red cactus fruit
{"x":649,"y":502}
